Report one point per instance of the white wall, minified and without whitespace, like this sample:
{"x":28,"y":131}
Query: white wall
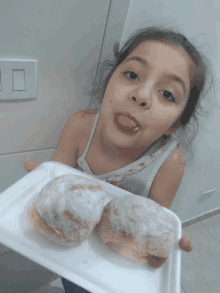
{"x":67,"y":37}
{"x":199,"y":21}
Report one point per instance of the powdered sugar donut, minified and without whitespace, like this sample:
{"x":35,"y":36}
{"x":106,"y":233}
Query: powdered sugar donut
{"x":67,"y":209}
{"x":137,"y":228}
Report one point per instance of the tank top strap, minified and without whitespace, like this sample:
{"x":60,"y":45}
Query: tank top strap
{"x":172,"y":145}
{"x":91,"y":135}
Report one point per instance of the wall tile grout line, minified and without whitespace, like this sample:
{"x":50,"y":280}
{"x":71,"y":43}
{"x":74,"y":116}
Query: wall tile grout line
{"x":183,"y":289}
{"x":26,"y":152}
{"x":199,"y":219}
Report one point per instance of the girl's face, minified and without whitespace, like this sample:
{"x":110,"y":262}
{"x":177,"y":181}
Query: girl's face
{"x":154,"y":90}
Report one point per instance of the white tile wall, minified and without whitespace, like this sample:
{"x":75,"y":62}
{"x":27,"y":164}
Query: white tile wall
{"x":31,"y":129}
{"x":13,"y":166}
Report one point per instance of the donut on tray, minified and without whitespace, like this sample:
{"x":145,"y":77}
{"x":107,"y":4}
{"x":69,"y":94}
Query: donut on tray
{"x":67,"y":209}
{"x":138,"y":228}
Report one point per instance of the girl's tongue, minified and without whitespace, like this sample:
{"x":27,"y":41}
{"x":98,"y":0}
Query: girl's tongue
{"x":126,"y":123}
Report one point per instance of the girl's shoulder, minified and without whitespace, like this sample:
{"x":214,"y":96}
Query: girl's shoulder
{"x":86,"y":118}
{"x":177,"y":156}
{"x":90,"y":111}
{"x":168,"y":179}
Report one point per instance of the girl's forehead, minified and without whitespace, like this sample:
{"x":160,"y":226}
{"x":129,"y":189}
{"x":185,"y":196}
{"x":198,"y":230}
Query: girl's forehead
{"x":161,"y":52}
{"x":163,"y":57}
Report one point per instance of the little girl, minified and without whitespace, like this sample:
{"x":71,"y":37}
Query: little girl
{"x":150,"y":93}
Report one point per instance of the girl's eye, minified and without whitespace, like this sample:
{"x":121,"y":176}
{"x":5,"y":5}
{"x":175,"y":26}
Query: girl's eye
{"x":132,"y":74}
{"x":167,"y":95}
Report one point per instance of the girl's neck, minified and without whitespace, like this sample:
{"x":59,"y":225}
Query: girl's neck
{"x":124,"y":154}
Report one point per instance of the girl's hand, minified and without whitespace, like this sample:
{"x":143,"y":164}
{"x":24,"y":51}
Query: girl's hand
{"x":185,"y":244}
{"x":156,"y":262}
{"x":30,"y":164}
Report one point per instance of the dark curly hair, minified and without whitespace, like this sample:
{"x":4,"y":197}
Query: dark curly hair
{"x":201,"y":83}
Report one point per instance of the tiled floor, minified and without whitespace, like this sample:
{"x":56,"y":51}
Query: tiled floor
{"x":200,"y":269}
{"x":54,"y":287}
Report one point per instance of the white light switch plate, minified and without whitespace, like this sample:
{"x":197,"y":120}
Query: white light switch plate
{"x":30,"y":72}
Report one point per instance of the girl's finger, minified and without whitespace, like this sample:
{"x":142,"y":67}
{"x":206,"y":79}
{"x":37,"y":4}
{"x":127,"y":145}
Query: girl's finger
{"x":30,"y":164}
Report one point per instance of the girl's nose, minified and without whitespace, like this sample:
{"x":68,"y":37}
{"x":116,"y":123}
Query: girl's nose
{"x":143,"y":95}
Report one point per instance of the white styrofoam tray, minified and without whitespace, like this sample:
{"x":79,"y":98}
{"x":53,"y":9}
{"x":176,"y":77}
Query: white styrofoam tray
{"x":91,"y":265}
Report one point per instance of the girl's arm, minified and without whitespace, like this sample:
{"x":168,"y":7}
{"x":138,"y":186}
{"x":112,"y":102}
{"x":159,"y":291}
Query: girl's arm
{"x":166,"y":185}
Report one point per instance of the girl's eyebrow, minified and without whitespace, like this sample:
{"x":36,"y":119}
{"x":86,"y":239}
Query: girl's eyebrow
{"x":171,"y":76}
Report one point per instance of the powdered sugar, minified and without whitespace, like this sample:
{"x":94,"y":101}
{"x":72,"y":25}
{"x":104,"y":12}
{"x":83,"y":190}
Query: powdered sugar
{"x":72,"y":204}
{"x":146,"y":221}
